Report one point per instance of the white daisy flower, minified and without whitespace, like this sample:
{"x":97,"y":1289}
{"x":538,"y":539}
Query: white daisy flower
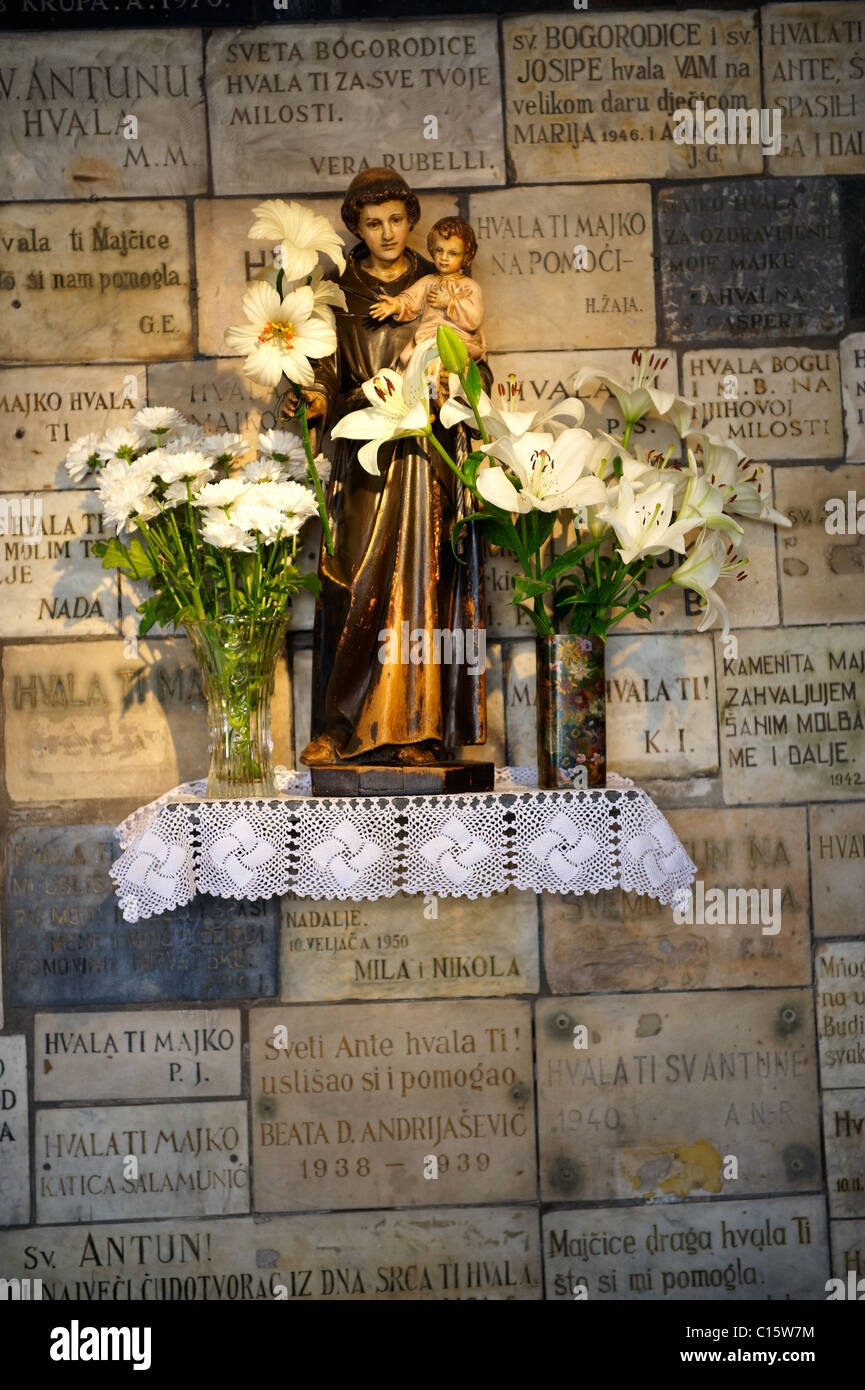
{"x":217,"y":530}
{"x":158,"y":418}
{"x":224,"y":447}
{"x":120,"y":443}
{"x":82,"y":456}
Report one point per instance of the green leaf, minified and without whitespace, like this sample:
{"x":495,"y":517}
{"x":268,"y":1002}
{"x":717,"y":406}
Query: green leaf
{"x":528,"y":588}
{"x":495,"y":530}
{"x":473,"y":463}
{"x":568,"y":559}
{"x":310,"y":582}
{"x":473,"y":382}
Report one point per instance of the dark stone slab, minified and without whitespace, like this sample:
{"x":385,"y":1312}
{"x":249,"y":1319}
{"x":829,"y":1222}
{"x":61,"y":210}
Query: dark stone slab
{"x":68,"y":943}
{"x":761,"y":259}
{"x":427,"y":779}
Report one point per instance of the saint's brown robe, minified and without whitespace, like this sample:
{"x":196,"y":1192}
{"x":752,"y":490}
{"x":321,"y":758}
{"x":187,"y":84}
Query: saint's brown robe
{"x":392,"y":560}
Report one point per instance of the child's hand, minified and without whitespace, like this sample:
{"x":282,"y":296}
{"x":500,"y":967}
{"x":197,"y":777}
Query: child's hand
{"x":439,"y":296}
{"x":384,"y":307}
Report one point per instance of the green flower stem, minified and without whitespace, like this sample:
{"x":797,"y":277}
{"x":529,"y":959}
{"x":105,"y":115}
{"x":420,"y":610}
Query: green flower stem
{"x":428,"y":434}
{"x":313,"y":475}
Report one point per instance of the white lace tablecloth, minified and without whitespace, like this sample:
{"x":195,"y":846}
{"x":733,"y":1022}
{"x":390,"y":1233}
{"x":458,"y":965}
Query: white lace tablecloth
{"x":468,"y":845}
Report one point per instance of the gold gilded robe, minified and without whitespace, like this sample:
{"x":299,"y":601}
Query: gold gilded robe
{"x":392,"y":562}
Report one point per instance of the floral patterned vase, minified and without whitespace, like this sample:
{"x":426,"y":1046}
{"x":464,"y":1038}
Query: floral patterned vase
{"x":571,"y":711}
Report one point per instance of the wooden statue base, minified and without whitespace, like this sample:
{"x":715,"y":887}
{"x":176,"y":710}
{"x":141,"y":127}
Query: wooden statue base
{"x":401,"y":779}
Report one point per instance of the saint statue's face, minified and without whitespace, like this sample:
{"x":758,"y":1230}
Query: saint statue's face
{"x":384,"y":228}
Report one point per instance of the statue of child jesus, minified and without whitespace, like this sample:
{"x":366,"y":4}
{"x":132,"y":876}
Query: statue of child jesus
{"x":449,"y":297}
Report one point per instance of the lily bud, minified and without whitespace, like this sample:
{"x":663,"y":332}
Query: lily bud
{"x":452,"y":349}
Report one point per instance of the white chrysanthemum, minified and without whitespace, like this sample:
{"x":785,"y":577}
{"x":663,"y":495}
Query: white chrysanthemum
{"x":221,"y":494}
{"x":224,"y":447}
{"x":191,"y":437}
{"x":82,"y":456}
{"x":191,"y":464}
{"x":217,"y":530}
{"x":266,"y":470}
{"x":120,"y":442}
{"x":125,"y":491}
{"x":274,"y":509}
{"x":280,"y":444}
{"x":158,"y":418}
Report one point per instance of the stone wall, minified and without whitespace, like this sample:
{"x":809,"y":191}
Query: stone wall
{"x":725,"y":1076}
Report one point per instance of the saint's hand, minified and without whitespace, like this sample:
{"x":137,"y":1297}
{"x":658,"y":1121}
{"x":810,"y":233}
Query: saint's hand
{"x":384,"y":307}
{"x":315,"y":403}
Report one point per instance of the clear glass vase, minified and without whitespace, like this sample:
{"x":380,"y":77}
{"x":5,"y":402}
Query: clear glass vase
{"x":237,"y":656}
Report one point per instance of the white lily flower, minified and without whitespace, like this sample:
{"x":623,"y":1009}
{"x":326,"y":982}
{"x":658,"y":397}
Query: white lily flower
{"x":736,"y":476}
{"x":637,"y":399}
{"x":281,"y":335}
{"x":399,"y":408}
{"x":703,"y":503}
{"x":301,"y":233}
{"x":704,"y":566}
{"x":326,"y":294}
{"x":509,"y":420}
{"x":551,"y":472}
{"x":642,"y":521}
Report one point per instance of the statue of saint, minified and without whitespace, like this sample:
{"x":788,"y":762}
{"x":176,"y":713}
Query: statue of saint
{"x":396,"y":607}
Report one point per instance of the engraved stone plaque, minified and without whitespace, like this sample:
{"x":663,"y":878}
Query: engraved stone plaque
{"x":787,"y":402}
{"x":69,"y":945}
{"x":844,"y":1128}
{"x":823,"y":555}
{"x":848,"y":1253}
{"x":321,"y":104}
{"x":814,"y":74}
{"x":526,"y":257}
{"x":72,"y":708}
{"x":134,"y":1161}
{"x":592,"y":97}
{"x":644,"y":1095}
{"x":45,"y":409}
{"x":752,"y":260}
{"x":615,"y":941}
{"x":216,"y":395}
{"x":103,"y":114}
{"x":53,"y":585}
{"x":227,"y":258}
{"x":521,"y":703}
{"x":409,"y":947}
{"x":837,"y":835}
{"x":853,"y":387}
{"x":117,"y":271}
{"x":730,"y":1251}
{"x":350,"y":1102}
{"x":137,"y":1055}
{"x":839,"y":970}
{"x":14,"y":1134}
{"x":544,"y":377}
{"x":446,"y":1253}
{"x":661,"y":715}
{"x":790,"y":706}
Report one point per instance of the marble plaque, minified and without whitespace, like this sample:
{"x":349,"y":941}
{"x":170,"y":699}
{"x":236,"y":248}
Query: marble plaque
{"x":589,"y":98}
{"x":787,"y":402}
{"x":527,"y":250}
{"x":110,"y":114}
{"x":848,"y":1251}
{"x":446,"y":1253}
{"x":116,"y":271}
{"x":301,"y":694}
{"x":693,"y":1251}
{"x":751,"y":261}
{"x":346,"y":1088}
{"x":822,"y":569}
{"x":53,"y":585}
{"x":132,"y":1161}
{"x":321,"y":104}
{"x":493,"y":750}
{"x":520,"y":684}
{"x":661,"y":713}
{"x":844,"y":1129}
{"x":216,"y":395}
{"x":409,"y":947}
{"x":853,"y":387}
{"x":14,"y":1134}
{"x":68,"y":944}
{"x":45,"y":409}
{"x":837,"y":835}
{"x":501,"y":570}
{"x":814,"y":75}
{"x":72,"y":709}
{"x":544,"y":377}
{"x":137,"y":1055}
{"x":227,"y":258}
{"x":791,"y":721}
{"x":615,"y":941}
{"x":839,"y":970}
{"x":662,"y":1095}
